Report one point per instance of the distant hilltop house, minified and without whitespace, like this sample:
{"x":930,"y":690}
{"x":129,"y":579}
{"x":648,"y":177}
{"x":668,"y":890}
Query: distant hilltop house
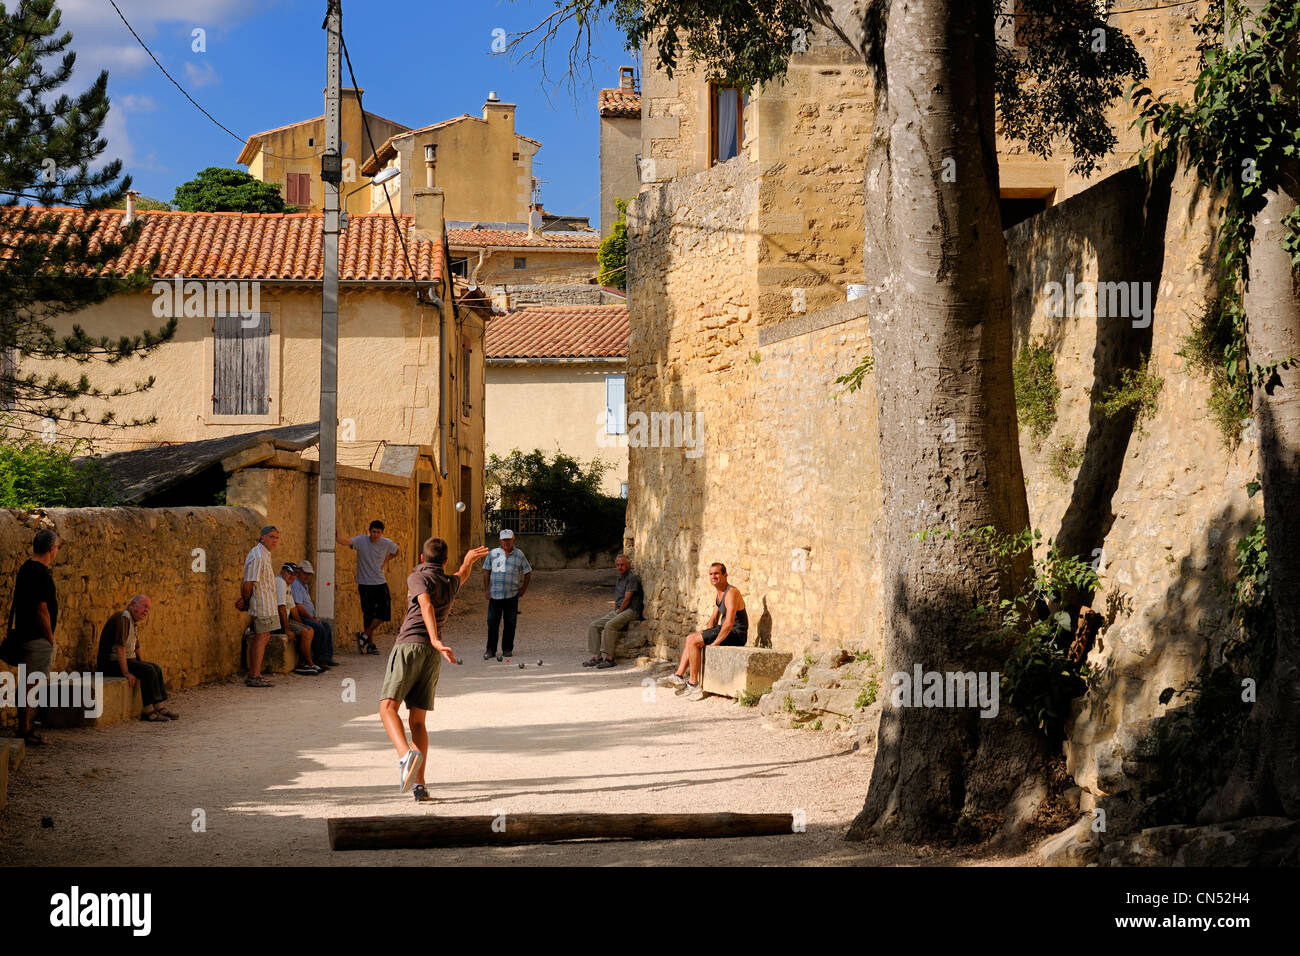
{"x":499,"y":236}
{"x":555,"y":381}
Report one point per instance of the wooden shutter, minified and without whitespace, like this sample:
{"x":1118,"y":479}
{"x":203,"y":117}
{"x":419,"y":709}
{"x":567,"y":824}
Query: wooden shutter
{"x":241,"y":376}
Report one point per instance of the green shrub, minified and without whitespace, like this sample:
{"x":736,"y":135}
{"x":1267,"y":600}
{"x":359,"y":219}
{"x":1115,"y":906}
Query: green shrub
{"x":1064,"y":460}
{"x":39,"y":474}
{"x":563,"y":489}
{"x":1205,"y":349}
{"x":612,"y":254}
{"x":1033,"y":629}
{"x":868,"y":695}
{"x":1138,"y":392}
{"x":1034,"y":375}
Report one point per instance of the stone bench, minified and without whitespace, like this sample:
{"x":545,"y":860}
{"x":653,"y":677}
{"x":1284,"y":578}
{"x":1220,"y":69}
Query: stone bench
{"x":120,"y":702}
{"x":280,"y":657}
{"x":733,"y":671}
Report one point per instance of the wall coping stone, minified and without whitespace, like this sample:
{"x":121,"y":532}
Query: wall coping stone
{"x":836,"y":314}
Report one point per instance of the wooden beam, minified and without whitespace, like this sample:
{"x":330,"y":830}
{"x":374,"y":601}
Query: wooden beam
{"x":420,"y":832}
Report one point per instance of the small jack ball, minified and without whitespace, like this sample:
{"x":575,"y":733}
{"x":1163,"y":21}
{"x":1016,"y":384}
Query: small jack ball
{"x":47,"y":822}
{"x":460,"y":506}
{"x":539,"y":663}
{"x":521,"y":665}
{"x":459,"y":661}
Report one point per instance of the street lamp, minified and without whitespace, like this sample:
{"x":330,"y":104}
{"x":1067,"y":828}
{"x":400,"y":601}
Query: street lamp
{"x":392,"y":172}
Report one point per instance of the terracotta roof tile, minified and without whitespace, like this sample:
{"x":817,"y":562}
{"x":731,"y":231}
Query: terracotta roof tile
{"x":620,"y":103}
{"x":573,"y":331}
{"x":461,"y":238}
{"x":232,"y":245}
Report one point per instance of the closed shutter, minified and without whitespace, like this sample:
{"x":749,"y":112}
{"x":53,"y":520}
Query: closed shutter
{"x":615,"y":407}
{"x":241,"y":377}
{"x":304,"y":189}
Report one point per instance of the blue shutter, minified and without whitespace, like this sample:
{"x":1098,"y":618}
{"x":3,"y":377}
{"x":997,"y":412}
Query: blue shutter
{"x":615,"y":406}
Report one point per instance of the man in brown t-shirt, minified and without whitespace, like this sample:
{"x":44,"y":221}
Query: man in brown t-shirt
{"x":416,"y":658}
{"x":119,"y":656}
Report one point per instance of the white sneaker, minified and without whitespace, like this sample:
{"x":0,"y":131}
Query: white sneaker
{"x":406,"y":768}
{"x":694,"y":692}
{"x":672,"y":680}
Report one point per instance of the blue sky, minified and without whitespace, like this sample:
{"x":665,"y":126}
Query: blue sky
{"x":419,"y":61}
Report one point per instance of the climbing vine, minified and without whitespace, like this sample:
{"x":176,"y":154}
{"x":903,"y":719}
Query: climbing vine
{"x":1239,"y":131}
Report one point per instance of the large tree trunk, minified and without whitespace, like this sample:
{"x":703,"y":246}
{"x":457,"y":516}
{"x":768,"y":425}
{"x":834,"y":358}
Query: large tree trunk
{"x":1265,"y":778}
{"x":941,"y":337}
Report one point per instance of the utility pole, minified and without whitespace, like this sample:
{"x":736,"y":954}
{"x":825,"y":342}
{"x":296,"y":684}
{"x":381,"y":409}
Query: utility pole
{"x":331,"y":175}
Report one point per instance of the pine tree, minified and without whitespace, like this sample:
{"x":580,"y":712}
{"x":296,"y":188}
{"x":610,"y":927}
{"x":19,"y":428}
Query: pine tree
{"x":217,"y":189}
{"x":56,"y":263}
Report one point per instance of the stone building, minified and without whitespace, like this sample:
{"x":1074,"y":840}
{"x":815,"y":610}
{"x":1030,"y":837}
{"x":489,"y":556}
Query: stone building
{"x":555,"y":381}
{"x":289,"y":156}
{"x":246,"y":292}
{"x":743,"y":245}
{"x":620,"y":145}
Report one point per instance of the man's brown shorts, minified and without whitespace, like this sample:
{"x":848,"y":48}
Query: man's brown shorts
{"x":412,"y":675}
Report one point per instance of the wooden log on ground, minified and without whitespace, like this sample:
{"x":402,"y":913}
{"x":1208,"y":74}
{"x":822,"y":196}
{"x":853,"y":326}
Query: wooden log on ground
{"x":421,"y":832}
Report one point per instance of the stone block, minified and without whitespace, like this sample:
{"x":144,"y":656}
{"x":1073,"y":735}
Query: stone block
{"x":281,"y":655}
{"x":660,"y":127}
{"x":119,"y":702}
{"x":731,"y":671}
{"x":1071,"y":847}
{"x":17,"y":750}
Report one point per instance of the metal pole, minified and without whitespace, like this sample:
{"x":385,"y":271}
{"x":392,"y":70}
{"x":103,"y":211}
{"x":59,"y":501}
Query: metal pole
{"x":329,"y":331}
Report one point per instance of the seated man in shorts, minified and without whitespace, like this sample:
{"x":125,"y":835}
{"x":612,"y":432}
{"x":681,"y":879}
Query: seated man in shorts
{"x":416,"y":658}
{"x":728,"y":624}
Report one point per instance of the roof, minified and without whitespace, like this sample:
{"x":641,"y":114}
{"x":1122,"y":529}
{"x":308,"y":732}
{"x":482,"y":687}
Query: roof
{"x":235,"y":245}
{"x":620,"y":103}
{"x":571,"y":331}
{"x":145,"y":472}
{"x":253,"y":142}
{"x":387,"y":150}
{"x":519,"y":238}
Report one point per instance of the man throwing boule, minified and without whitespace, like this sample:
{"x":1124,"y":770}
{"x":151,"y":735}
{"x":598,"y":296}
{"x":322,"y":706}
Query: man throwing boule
{"x":416,"y":659}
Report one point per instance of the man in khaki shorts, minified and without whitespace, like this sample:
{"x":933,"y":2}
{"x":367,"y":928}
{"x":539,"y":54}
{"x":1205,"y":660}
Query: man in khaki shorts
{"x":257,"y":597}
{"x":416,"y":659}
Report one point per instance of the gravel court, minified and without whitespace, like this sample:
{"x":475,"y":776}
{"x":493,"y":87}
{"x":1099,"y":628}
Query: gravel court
{"x":267,"y":766}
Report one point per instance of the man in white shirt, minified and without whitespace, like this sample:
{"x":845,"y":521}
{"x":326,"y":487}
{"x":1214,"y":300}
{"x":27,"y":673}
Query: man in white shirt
{"x":289,"y":623}
{"x":257,"y":597}
{"x":322,"y":645}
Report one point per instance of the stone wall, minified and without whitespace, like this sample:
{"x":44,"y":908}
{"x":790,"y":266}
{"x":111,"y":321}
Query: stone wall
{"x":1162,"y":507}
{"x":188,"y":560}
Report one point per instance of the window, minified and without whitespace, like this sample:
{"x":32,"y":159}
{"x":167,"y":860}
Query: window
{"x":521,"y":262}
{"x":622,"y":491}
{"x":241,"y":380}
{"x":297,"y":189}
{"x":726,"y":122}
{"x":615,"y":406}
{"x":460,"y":266}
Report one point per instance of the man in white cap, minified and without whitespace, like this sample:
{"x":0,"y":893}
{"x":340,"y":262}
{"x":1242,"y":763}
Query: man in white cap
{"x":322,"y":644}
{"x":506,"y":573}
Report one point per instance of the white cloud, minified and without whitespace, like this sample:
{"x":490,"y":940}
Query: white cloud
{"x":135,"y":103}
{"x":203,"y":75}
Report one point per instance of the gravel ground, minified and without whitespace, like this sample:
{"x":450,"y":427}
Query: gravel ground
{"x":268,"y":767}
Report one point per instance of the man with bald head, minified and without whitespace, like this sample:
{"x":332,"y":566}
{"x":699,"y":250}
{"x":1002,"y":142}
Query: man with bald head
{"x":119,"y":656}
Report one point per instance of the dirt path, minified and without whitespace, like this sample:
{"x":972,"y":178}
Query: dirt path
{"x":267,"y":767}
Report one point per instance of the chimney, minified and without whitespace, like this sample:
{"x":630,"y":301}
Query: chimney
{"x":498,"y":113}
{"x":534,"y":220}
{"x":130,"y":208}
{"x":430,"y":163}
{"x":428,"y":214}
{"x":500,"y":299}
{"x":627,"y":79}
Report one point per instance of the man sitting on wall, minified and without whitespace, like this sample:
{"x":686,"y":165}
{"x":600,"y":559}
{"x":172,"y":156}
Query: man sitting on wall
{"x":603,"y":633}
{"x":289,"y":623}
{"x":119,"y":656}
{"x":728,"y":624}
{"x":322,"y":645}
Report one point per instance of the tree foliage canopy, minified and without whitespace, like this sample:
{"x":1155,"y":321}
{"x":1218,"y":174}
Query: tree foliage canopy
{"x":612,"y":255}
{"x":217,"y":189}
{"x":49,"y":143}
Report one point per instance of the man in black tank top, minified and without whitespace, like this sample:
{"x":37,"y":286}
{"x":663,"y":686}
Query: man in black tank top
{"x":728,"y":624}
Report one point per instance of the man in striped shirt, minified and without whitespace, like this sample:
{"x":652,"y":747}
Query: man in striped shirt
{"x":257,"y":597}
